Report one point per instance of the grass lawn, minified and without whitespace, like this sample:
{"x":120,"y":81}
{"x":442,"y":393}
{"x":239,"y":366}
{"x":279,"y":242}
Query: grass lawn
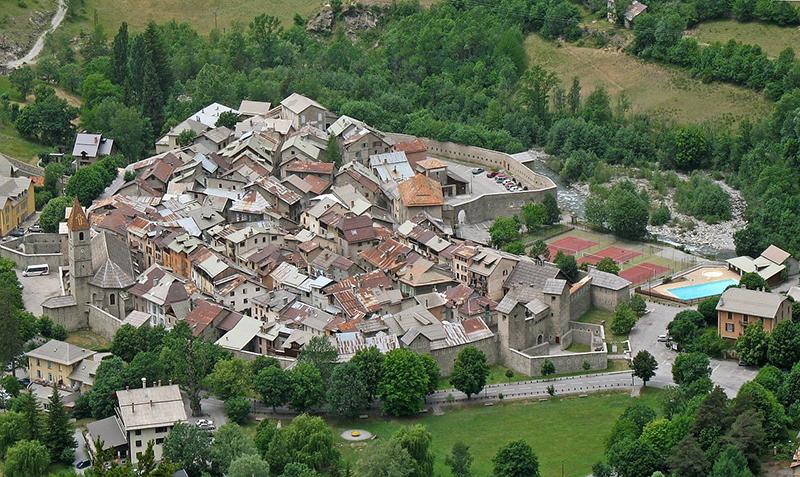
{"x":545,"y":233}
{"x":578,"y":348}
{"x":569,"y":431}
{"x":600,"y":316}
{"x":89,"y":340}
{"x":771,"y":38}
{"x":649,"y":86}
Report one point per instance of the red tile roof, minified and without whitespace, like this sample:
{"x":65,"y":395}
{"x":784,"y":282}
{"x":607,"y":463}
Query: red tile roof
{"x":311,"y":167}
{"x":421,"y":191}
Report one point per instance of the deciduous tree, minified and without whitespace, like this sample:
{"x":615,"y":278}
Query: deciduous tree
{"x":347,"y":394}
{"x":404,"y":383}
{"x":459,"y":460}
{"x":27,"y":459}
{"x":274,"y":386}
{"x":753,"y":346}
{"x":690,"y":367}
{"x":644,"y":366}
{"x":470,"y":371}
{"x":189,"y":447}
{"x":516,"y":459}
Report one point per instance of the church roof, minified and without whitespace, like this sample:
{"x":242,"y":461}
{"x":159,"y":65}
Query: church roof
{"x":77,"y":217}
{"x":111,"y":262}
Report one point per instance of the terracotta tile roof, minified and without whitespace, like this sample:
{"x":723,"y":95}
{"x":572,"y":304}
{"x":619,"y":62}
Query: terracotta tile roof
{"x":77,"y":218}
{"x":417,"y":145}
{"x":389,"y":255}
{"x":420,"y":191}
{"x":202,"y":316}
{"x":317,"y":184}
{"x":311,"y":167}
{"x":431,"y":163}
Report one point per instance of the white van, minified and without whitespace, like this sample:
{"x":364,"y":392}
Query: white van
{"x":34,"y":270}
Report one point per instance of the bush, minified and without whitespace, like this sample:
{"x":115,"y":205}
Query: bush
{"x":660,"y":216}
{"x":702,"y":198}
{"x":624,"y":320}
{"x":708,"y":308}
{"x":237,"y":409}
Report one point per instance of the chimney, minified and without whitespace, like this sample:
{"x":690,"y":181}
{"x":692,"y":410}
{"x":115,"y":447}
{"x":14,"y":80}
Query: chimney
{"x":144,"y":383}
{"x":133,"y":408}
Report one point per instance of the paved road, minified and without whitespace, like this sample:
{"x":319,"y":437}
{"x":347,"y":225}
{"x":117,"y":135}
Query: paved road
{"x":527,"y":389}
{"x":30,"y":57}
{"x":726,"y":373}
{"x":80,"y":451}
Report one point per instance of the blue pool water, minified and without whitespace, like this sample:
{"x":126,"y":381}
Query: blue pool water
{"x":702,"y":290}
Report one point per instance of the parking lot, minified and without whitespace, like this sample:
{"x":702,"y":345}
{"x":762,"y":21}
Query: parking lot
{"x":38,"y":289}
{"x":479,"y":183}
{"x":644,"y":336}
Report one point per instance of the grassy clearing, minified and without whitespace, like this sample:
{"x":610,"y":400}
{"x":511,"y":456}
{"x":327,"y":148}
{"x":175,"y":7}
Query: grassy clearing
{"x":17,"y":20}
{"x":198,"y":13}
{"x":567,"y":431}
{"x":89,"y":340}
{"x":771,"y":38}
{"x":14,"y":145}
{"x":650,"y":87}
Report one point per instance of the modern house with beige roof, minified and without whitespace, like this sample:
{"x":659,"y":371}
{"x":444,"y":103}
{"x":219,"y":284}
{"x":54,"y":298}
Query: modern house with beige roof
{"x":773,"y":265}
{"x":739,"y":307}
{"x":142,"y":415}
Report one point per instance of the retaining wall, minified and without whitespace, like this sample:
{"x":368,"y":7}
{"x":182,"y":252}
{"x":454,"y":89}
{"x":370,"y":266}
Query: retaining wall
{"x":564,"y":363}
{"x":35,"y":249}
{"x":102,"y":323}
{"x":487,"y":206}
{"x":446,"y":357}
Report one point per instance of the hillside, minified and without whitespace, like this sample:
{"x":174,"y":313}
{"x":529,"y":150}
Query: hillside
{"x":650,"y":87}
{"x":771,"y":38}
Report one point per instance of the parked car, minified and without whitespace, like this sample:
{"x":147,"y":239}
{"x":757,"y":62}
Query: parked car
{"x":205,"y":424}
{"x":17,"y":233}
{"x":35,"y":228}
{"x":491,"y":174}
{"x":478,"y":170}
{"x":24,"y":381}
{"x":83,"y":464}
{"x":663,"y":338}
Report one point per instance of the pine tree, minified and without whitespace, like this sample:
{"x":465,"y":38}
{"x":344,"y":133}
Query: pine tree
{"x":58,"y":432}
{"x":152,"y":99}
{"x":332,"y":152}
{"x":157,"y":53}
{"x":119,"y":60}
{"x":136,"y":62}
{"x":574,"y":98}
{"x":26,"y":404}
{"x":10,"y":342}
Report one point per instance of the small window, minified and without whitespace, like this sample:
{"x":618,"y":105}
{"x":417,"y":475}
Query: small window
{"x":161,"y":429}
{"x":138,"y":432}
{"x":138,"y":443}
{"x":80,"y":236}
{"x":729,"y":327}
{"x":160,"y":440}
{"x":245,"y":301}
{"x":112,"y":299}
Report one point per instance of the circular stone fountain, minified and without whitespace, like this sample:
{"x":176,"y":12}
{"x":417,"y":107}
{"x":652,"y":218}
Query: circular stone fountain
{"x":355,"y":435}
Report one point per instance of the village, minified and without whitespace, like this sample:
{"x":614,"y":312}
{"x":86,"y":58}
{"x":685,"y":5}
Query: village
{"x":295,"y":224}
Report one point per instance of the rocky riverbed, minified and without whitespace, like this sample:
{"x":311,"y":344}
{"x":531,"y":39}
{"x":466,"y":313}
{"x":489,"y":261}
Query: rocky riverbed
{"x":714,"y":240}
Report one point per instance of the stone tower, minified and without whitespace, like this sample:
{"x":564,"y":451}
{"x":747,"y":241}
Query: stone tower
{"x":80,"y":255}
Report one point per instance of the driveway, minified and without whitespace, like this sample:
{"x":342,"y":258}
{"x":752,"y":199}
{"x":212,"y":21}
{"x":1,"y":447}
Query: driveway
{"x":80,"y":451}
{"x":725,"y":373}
{"x":38,"y":289}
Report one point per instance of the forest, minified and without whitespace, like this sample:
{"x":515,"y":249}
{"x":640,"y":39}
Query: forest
{"x":456,"y":71}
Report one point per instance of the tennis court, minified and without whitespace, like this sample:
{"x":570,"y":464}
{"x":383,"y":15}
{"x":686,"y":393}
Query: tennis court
{"x":618,"y":254}
{"x":643,"y":272}
{"x":569,"y":246}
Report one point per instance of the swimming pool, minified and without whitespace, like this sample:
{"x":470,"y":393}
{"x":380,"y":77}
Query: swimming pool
{"x":702,"y":290}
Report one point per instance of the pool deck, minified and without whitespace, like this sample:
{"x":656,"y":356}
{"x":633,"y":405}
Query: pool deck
{"x":697,"y":277}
